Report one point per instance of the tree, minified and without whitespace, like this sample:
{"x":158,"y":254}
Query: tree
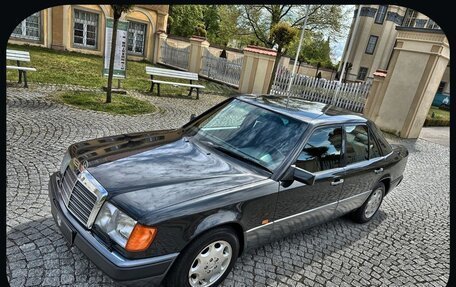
{"x":282,"y":34}
{"x":220,"y":22}
{"x":211,"y":20}
{"x":260,"y":19}
{"x":227,"y":28}
{"x":185,"y":19}
{"x":117,"y":11}
{"x":315,"y":49}
{"x":200,"y":30}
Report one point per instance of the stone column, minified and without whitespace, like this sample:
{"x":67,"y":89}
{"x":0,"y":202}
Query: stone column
{"x":417,"y":65}
{"x":256,"y":70}
{"x":375,"y":97}
{"x":57,"y":28}
{"x":197,"y":47}
{"x":160,"y":37}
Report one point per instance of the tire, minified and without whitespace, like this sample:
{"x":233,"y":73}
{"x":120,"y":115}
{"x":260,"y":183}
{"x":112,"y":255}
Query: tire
{"x":365,"y":213}
{"x":179,"y":274}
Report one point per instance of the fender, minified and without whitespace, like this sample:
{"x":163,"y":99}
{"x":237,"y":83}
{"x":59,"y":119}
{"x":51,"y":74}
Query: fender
{"x":221,"y":217}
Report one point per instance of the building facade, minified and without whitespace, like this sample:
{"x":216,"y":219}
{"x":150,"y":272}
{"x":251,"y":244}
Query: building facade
{"x":375,"y":39}
{"x":81,"y":28}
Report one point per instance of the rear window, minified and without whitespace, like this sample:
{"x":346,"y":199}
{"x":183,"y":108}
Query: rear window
{"x":384,"y":145}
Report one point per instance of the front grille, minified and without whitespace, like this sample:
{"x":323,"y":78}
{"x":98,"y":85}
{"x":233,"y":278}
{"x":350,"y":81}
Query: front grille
{"x":68,"y":181}
{"x":82,"y":200}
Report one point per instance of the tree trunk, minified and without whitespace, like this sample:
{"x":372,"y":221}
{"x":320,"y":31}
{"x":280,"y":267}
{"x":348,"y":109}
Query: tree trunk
{"x":274,"y":69}
{"x":111,"y":59}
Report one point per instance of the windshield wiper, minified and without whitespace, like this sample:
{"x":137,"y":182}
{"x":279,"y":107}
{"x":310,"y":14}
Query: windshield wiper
{"x":239,"y":156}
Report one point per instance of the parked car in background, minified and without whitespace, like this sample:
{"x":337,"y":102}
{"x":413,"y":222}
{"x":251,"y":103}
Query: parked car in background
{"x":179,"y":206}
{"x":445,"y":104}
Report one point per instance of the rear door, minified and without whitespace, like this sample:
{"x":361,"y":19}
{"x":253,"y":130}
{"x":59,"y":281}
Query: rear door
{"x":363,"y":166}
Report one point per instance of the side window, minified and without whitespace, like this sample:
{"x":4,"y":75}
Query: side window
{"x":322,"y":150}
{"x":374,"y":150}
{"x":384,"y":145}
{"x":356,"y":144}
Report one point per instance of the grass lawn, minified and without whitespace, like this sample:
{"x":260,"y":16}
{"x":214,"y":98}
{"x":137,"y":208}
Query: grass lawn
{"x":438,"y":114}
{"x":441,"y":117}
{"x":63,"y":67}
{"x":121,"y":104}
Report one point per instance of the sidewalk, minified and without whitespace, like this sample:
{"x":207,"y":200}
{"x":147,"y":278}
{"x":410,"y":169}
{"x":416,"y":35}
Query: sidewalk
{"x":438,"y":135}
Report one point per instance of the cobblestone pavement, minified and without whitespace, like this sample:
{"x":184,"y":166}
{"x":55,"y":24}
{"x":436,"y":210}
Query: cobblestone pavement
{"x":407,"y":244}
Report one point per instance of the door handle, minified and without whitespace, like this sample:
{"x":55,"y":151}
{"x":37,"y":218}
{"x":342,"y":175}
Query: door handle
{"x":378,"y":170}
{"x":337,"y":181}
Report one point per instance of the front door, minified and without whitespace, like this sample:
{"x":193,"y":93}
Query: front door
{"x":299,"y":205}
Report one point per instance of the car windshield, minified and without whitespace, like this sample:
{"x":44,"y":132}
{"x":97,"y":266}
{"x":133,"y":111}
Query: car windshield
{"x":250,"y":133}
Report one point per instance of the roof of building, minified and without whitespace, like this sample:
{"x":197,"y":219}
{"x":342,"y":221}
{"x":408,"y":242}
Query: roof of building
{"x":307,"y":111}
{"x":260,"y":50}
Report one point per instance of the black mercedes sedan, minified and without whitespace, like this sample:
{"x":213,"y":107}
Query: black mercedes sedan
{"x":177,"y":207}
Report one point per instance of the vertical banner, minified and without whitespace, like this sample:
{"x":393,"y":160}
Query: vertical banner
{"x":120,"y":58}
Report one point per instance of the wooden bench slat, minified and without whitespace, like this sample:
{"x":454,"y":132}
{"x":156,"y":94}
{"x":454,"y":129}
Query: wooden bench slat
{"x":17,"y":51}
{"x":187,"y":74}
{"x":178,"y":84}
{"x":171,"y":73}
{"x":17,"y":55}
{"x":19,"y":59}
{"x":21,"y":68}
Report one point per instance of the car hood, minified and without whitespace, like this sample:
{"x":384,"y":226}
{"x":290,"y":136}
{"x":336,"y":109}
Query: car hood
{"x":148,"y":171}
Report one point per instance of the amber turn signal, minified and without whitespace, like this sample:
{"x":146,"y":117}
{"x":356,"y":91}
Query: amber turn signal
{"x":141,"y":238}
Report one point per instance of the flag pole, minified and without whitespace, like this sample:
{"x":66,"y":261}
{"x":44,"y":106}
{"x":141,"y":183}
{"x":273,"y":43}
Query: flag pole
{"x":297,"y":54}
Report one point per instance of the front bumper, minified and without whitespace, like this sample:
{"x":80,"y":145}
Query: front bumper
{"x":132,"y":272}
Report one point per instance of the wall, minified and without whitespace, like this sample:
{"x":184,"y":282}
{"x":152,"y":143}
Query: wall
{"x":57,"y":27}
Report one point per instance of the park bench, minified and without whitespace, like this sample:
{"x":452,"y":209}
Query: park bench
{"x":19,"y":56}
{"x":167,"y":73}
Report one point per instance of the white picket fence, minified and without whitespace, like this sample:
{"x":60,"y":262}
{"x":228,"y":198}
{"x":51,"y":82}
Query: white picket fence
{"x":350,"y":96}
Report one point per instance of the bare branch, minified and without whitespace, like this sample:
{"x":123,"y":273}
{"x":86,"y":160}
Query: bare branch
{"x":256,"y":30}
{"x":286,"y":12}
{"x":314,"y":10}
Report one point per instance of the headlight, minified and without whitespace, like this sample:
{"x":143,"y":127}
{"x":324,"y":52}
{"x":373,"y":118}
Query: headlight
{"x":65,"y":162}
{"x":124,"y":230}
{"x":115,"y":223}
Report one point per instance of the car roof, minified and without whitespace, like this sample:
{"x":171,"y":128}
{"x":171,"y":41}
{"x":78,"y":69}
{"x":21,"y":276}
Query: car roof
{"x":311,"y":112}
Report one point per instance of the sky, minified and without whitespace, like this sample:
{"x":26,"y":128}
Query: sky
{"x":337,"y":45}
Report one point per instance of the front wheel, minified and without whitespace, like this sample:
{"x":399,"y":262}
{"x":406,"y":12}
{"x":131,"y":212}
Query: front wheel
{"x":206,"y":261}
{"x":367,"y":211}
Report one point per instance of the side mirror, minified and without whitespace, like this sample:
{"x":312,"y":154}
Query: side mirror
{"x":192,"y":116}
{"x":303,"y":176}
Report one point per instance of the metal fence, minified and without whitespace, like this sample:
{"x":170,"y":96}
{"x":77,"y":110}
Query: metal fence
{"x":350,"y":96}
{"x":221,"y":69}
{"x":174,"y":56}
